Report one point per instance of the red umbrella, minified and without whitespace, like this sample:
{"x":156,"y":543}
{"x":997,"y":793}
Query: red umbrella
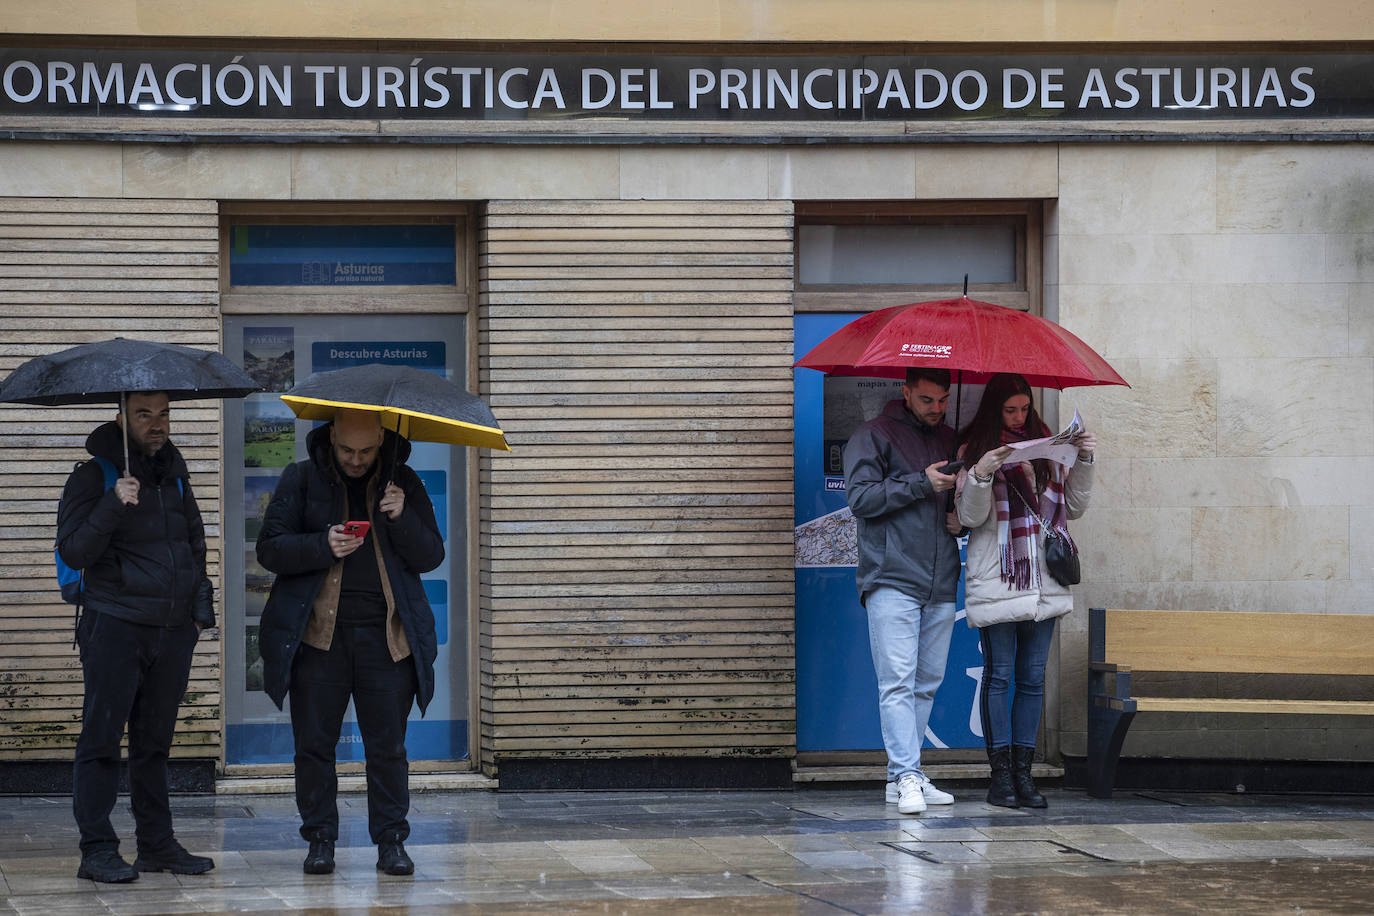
{"x":972,"y":339}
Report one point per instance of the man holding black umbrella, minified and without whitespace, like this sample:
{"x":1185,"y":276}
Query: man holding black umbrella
{"x":141,"y":547}
{"x":348,"y":617}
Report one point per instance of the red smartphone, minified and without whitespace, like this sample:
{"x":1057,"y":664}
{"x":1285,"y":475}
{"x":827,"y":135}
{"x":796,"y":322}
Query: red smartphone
{"x":356,"y":529}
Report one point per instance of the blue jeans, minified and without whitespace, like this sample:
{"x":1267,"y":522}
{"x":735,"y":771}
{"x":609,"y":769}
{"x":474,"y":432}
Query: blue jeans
{"x":1016,"y":651}
{"x":910,"y":643}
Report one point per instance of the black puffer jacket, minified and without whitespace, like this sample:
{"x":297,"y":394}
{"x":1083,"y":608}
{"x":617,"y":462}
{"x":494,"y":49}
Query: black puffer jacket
{"x":294,"y":543}
{"x":143,"y":563}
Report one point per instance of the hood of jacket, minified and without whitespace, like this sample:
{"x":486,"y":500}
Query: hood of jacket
{"x":107,"y":441}
{"x":395,"y":451}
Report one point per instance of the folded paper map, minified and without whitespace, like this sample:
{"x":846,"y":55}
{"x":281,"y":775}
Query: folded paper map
{"x":1058,"y":448}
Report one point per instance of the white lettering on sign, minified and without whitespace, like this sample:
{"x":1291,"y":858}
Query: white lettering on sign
{"x":447,"y":83}
{"x":1206,"y":88}
{"x":940,"y":351}
{"x":359,"y":273}
{"x":416,"y":354}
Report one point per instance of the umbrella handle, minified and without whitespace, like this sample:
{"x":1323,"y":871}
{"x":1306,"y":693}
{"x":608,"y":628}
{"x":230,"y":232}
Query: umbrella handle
{"x":395,"y":450}
{"x":124,"y":425}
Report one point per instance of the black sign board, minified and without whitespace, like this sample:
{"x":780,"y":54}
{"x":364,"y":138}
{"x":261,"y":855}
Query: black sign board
{"x":644,"y":87}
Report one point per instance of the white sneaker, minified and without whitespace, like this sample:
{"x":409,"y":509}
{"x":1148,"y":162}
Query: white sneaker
{"x":910,"y":799}
{"x":932,"y":795}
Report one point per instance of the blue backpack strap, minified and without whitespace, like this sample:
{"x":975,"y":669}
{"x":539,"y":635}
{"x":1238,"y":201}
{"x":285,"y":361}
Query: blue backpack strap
{"x":111,"y":472}
{"x":111,"y":475}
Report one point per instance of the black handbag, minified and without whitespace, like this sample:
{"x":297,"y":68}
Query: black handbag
{"x":1060,"y":559}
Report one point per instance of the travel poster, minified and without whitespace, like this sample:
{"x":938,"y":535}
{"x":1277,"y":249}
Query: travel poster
{"x":269,"y":433}
{"x":269,"y":356}
{"x":257,"y":583}
{"x":257,"y":493}
{"x":253,"y":676}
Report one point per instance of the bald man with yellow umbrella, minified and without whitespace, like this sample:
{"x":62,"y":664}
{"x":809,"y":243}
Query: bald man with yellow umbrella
{"x":348,"y":532}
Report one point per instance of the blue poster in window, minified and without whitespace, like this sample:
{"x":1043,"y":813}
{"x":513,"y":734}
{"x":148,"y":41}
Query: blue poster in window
{"x":436,"y":592}
{"x":837,"y":690}
{"x":370,"y":255}
{"x":340,"y":354}
{"x":436,"y":485}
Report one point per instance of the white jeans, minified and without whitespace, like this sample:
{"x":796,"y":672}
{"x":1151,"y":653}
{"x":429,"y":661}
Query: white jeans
{"x":910,"y":643}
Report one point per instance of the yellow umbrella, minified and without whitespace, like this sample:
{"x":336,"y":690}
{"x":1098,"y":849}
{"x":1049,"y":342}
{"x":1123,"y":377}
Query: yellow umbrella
{"x":421,"y":406}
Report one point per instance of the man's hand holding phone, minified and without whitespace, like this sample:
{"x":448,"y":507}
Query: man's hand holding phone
{"x":346,"y":538}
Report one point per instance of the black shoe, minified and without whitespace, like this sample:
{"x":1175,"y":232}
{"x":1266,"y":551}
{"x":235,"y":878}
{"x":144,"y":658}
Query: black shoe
{"x":392,"y":859}
{"x":1001,"y":792}
{"x":1026,"y":793}
{"x":320,"y":859}
{"x":175,"y":859}
{"x":107,"y":866}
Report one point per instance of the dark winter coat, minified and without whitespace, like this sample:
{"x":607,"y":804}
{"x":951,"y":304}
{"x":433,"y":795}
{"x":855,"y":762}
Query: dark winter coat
{"x":903,"y":542}
{"x":310,"y":498}
{"x":143,"y":563}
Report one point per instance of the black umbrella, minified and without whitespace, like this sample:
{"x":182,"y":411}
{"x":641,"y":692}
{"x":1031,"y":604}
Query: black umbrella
{"x":421,"y":406}
{"x":107,"y":370}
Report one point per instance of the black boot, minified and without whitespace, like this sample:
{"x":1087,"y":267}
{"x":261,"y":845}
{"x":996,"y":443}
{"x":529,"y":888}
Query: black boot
{"x":174,"y":858}
{"x":320,"y":859}
{"x":392,"y":858}
{"x":1001,"y":792}
{"x":1026,"y":792}
{"x":107,"y":866}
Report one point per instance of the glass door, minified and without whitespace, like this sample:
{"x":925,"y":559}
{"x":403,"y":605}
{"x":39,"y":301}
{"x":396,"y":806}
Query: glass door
{"x":262,"y":437}
{"x":837,"y":690}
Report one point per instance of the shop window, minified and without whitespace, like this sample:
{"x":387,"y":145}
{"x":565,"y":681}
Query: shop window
{"x":858,"y":256}
{"x":261,"y":438}
{"x":325,"y":287}
{"x":342,"y":258}
{"x":342,"y":255}
{"x":829,"y":255}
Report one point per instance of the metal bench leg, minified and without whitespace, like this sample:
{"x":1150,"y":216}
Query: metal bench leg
{"x":1106,"y":732}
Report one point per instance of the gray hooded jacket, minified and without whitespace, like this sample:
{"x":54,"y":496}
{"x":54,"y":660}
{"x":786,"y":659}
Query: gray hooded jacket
{"x":903,"y":542}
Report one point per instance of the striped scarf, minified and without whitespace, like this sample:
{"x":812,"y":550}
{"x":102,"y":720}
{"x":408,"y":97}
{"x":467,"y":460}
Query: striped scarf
{"x":1018,"y":531}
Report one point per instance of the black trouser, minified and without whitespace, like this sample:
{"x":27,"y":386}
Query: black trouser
{"x":357,"y":664}
{"x":133,"y":674}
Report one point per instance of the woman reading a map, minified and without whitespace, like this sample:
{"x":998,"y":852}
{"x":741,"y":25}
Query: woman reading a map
{"x":1013,"y":509}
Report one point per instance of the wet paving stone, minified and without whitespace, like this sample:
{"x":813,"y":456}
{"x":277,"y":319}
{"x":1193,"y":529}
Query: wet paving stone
{"x":805,"y":852}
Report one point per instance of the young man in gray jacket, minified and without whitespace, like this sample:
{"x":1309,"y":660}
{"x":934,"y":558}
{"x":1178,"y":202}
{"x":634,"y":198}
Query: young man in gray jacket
{"x":908,"y":568}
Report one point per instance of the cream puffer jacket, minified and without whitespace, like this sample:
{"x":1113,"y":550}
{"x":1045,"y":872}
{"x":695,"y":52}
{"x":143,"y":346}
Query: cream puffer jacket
{"x":987,"y":599}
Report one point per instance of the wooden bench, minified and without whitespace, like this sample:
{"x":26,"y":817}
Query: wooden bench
{"x":1122,"y":642}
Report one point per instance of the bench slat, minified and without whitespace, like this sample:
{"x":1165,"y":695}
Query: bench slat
{"x":1255,"y":643}
{"x":1212,"y":704}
